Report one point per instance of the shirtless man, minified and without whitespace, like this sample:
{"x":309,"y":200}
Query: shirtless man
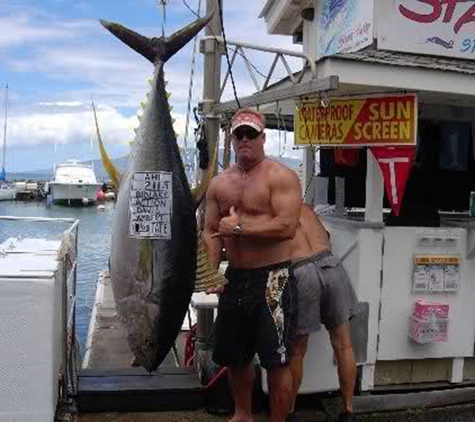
{"x":253,"y":212}
{"x":325,"y":296}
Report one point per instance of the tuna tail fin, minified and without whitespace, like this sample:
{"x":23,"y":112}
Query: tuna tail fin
{"x":207,"y":277}
{"x":156,"y":49}
{"x":112,"y":171}
{"x":199,"y":191}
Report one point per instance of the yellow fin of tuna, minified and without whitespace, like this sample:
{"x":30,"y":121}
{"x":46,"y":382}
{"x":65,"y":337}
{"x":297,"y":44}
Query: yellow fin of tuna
{"x":199,"y":191}
{"x":112,"y":171}
{"x":144,"y":270}
{"x":206,"y":276}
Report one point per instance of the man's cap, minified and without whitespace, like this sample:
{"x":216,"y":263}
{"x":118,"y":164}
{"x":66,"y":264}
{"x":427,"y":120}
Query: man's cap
{"x":248,"y":118}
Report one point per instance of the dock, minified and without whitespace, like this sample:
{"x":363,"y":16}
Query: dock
{"x":108,"y":382}
{"x":111,"y":389}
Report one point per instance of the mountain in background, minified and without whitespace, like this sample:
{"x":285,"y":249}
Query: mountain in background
{"x":121,"y":164}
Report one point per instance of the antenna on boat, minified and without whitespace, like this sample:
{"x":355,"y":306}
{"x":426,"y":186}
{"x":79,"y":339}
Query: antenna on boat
{"x":3,"y":172}
{"x":92,"y":147}
{"x":55,"y":151}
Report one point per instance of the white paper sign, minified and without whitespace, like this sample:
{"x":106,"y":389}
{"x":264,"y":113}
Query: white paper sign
{"x":421,"y":278}
{"x":436,"y":278}
{"x":150,"y":205}
{"x":452,"y":278}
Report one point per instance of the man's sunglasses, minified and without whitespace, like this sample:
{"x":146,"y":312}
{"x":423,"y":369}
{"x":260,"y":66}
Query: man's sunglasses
{"x":248,"y":132}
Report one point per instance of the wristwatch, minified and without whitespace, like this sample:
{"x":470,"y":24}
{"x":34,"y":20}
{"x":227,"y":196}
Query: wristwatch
{"x":237,"y":230}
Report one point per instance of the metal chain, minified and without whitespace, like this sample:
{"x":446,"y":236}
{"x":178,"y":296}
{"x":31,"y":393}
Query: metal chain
{"x":227,"y":146}
{"x":314,"y":150}
{"x":190,"y":98}
{"x":164,"y":4}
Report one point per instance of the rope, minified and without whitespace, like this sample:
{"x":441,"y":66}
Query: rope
{"x":164,"y":4}
{"x":227,"y":54}
{"x":190,"y":90}
{"x":227,"y":146}
{"x":222,"y":44}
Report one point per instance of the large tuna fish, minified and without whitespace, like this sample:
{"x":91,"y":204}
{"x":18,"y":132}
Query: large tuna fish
{"x":154,"y":235}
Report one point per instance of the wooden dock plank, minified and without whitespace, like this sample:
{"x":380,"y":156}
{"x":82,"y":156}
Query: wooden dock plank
{"x":108,"y":383}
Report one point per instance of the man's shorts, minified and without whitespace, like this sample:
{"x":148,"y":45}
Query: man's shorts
{"x":325,"y":293}
{"x":257,"y":313}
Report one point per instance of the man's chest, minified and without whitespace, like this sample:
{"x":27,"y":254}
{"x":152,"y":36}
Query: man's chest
{"x":248,"y":196}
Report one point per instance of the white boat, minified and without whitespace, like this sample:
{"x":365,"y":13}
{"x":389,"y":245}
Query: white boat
{"x":7,"y":192}
{"x":74,"y":182}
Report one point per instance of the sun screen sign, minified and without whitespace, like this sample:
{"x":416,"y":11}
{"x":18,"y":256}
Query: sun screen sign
{"x":150,"y":205}
{"x":352,"y":122}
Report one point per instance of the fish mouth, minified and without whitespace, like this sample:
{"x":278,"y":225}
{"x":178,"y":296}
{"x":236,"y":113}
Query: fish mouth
{"x":138,"y":316}
{"x":146,"y":357}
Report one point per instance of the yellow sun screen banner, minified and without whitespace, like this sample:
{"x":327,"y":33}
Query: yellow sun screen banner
{"x":352,"y":122}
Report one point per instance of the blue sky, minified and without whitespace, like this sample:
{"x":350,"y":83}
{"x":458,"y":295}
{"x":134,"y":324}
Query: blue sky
{"x":56,"y":57}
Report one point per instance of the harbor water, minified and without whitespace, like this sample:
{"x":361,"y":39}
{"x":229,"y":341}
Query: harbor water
{"x":94,"y":243}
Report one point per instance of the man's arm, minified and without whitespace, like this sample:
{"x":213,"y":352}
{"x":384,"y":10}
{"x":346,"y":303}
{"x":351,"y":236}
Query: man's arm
{"x":214,"y":245}
{"x":286,"y":200}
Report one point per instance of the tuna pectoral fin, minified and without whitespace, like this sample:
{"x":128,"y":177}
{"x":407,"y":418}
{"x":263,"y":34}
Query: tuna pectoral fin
{"x":108,"y":165}
{"x":199,"y":191}
{"x":154,"y":49}
{"x":207,"y":277}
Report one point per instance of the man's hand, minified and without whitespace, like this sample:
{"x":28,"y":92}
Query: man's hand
{"x":227,"y":224}
{"x":215,"y":290}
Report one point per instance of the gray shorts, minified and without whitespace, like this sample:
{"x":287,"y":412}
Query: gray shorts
{"x":325,"y":293}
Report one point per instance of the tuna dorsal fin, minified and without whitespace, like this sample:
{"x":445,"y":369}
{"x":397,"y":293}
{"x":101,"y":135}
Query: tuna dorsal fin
{"x":199,"y":191}
{"x":157,"y":49}
{"x":207,"y":277}
{"x":112,"y":171}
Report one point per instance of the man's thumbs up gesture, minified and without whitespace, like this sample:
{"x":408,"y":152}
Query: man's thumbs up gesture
{"x":229,"y":226}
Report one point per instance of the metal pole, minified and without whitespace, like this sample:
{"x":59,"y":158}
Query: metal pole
{"x":5,"y":130}
{"x":211,"y":92}
{"x":211,"y":50}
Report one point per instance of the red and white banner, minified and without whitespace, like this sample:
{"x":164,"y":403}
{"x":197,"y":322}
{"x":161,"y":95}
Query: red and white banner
{"x":395,"y":164}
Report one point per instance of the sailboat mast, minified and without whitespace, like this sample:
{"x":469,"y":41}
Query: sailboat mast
{"x":5,"y":131}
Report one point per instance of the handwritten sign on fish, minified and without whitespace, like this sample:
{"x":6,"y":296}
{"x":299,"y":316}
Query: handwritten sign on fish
{"x":150,"y":205}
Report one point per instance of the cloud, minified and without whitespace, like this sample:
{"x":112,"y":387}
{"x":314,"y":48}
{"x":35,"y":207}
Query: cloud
{"x":78,"y":61}
{"x":62,"y":104}
{"x":66,"y":127}
{"x":26,"y":25}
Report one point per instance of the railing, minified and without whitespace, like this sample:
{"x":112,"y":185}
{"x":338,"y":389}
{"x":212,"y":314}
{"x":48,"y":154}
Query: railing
{"x":67,"y":255}
{"x":280,"y":54}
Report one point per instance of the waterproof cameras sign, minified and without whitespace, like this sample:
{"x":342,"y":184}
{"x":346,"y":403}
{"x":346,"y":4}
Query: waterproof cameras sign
{"x":434,"y":27}
{"x":383,"y":121}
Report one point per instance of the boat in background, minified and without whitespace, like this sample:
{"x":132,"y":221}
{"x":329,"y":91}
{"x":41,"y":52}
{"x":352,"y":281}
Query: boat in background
{"x":73,"y":182}
{"x":7,"y":193}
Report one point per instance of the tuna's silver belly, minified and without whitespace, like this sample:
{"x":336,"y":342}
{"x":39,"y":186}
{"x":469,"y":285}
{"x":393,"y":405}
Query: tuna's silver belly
{"x":153,"y":280}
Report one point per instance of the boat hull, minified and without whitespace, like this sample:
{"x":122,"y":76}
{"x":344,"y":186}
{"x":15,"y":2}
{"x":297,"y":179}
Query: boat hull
{"x":7,"y":194}
{"x":72,"y":192}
